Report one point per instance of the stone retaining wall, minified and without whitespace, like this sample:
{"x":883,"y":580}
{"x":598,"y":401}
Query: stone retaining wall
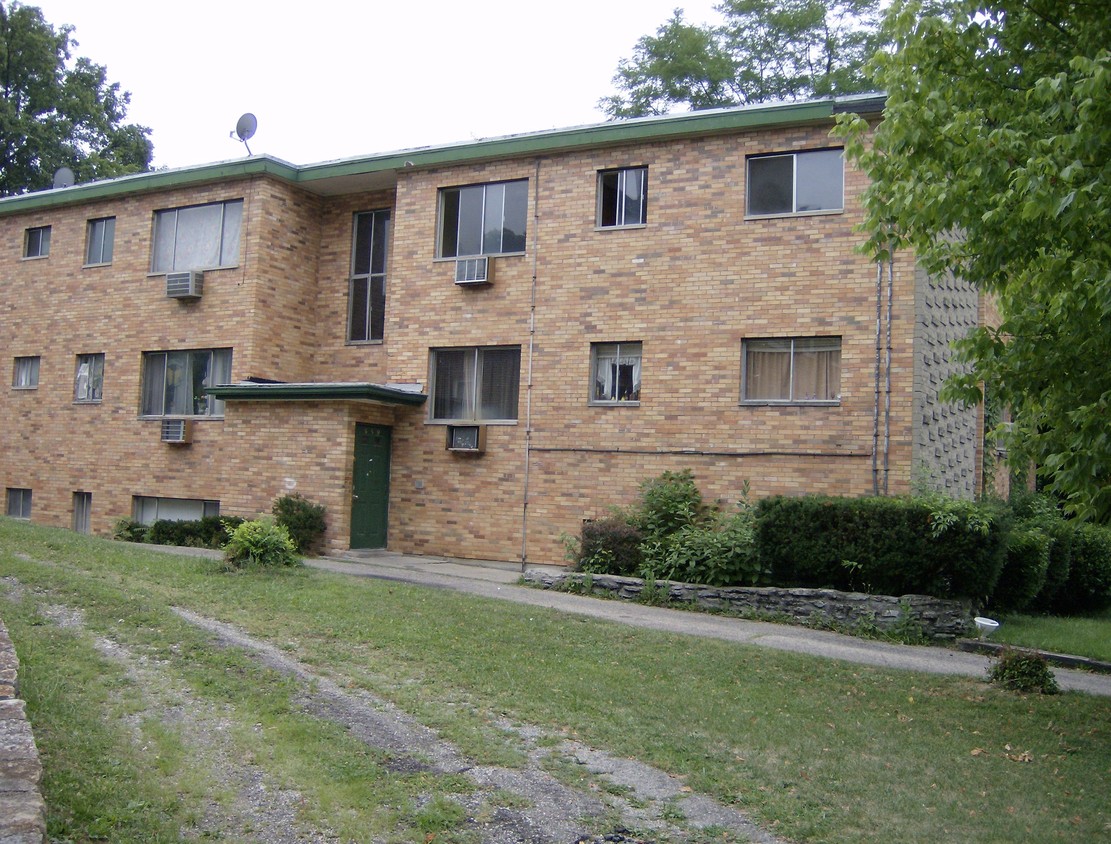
{"x":939,"y":619}
{"x":22,"y":810}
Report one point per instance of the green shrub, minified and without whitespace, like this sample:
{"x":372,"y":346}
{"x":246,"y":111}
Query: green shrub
{"x":610,"y":546}
{"x":1088,"y":587}
{"x":925,"y":545}
{"x":1060,"y":535}
{"x":667,"y":503}
{"x":208,"y":532}
{"x":302,"y":518}
{"x":260,"y":544}
{"x":1024,"y":571}
{"x":1023,"y":672}
{"x":129,"y":530}
{"x":720,"y":552}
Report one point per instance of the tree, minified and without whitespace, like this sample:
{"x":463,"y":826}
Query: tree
{"x":992,"y":162}
{"x":765,"y":50}
{"x":58,"y":112}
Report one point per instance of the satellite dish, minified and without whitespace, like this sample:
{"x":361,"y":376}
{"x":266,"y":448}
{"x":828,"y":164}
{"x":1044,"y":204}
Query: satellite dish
{"x":63,"y":178}
{"x":245,"y":129}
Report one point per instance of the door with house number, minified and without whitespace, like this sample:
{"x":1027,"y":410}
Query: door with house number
{"x":370,"y":486}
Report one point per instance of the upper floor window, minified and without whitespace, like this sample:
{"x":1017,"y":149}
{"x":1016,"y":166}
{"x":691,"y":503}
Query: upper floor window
{"x":36,"y":242}
{"x":476,"y":384}
{"x":483,"y":219}
{"x":88,"y":381}
{"x":367,"y":288}
{"x":100,"y":236}
{"x":174,"y":382}
{"x":199,"y":237}
{"x":792,"y":370}
{"x":623,"y":197}
{"x":797,"y":182}
{"x":19,"y":503}
{"x":616,"y":368}
{"x":26,"y":373}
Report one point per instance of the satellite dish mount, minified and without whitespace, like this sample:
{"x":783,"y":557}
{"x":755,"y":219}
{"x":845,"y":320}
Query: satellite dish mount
{"x":245,"y":129}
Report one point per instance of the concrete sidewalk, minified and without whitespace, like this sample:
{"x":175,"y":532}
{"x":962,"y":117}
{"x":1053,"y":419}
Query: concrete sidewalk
{"x":494,"y":579}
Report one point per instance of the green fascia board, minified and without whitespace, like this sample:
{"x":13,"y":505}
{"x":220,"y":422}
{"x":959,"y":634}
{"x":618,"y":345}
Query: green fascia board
{"x":636,"y":130}
{"x":317,"y":392}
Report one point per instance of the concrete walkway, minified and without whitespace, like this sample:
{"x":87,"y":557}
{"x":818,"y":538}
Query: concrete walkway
{"x":493,"y":579}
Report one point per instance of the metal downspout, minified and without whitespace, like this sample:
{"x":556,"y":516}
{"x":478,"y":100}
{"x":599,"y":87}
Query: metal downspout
{"x":887,"y":400}
{"x":531,"y":349}
{"x":876,"y":409}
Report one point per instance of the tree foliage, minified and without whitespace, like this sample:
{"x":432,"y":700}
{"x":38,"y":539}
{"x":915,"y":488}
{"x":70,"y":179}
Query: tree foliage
{"x":992,"y":162}
{"x":764,"y":50}
{"x":56,"y":111}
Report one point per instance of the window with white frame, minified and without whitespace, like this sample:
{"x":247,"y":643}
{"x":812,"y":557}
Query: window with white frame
{"x":623,"y":197}
{"x":616,"y":371}
{"x":483,"y":219}
{"x":174,"y":382}
{"x":36,"y":242}
{"x":198,"y":237}
{"x":100,"y":236}
{"x":796,"y":183}
{"x":19,"y":503}
{"x":82,"y":511}
{"x":794,"y":370}
{"x":88,"y":380}
{"x":148,"y":509}
{"x":476,"y":384}
{"x":25,"y":375}
{"x":367,"y":288}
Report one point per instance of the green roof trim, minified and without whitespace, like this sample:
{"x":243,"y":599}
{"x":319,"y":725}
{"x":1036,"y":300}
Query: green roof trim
{"x":385,"y":165}
{"x":309,"y":391}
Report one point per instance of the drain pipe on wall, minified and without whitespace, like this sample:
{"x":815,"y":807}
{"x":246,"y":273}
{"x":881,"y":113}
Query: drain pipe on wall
{"x":531,"y":350}
{"x":887,"y":400}
{"x":876,"y":409}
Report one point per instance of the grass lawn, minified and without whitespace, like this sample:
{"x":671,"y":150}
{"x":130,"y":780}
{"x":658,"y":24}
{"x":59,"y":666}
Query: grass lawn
{"x":1088,"y":635}
{"x":814,"y":750}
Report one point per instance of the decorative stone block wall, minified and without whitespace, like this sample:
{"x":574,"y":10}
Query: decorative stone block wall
{"x":22,"y":810}
{"x":939,"y":619}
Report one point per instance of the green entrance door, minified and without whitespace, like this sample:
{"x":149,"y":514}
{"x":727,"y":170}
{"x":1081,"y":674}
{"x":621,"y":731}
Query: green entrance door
{"x":370,"y":487}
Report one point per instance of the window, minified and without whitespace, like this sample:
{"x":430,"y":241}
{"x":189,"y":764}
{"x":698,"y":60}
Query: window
{"x":19,"y":503}
{"x":798,"y":370}
{"x":367,"y":290}
{"x":483,"y":219}
{"x":82,"y":509}
{"x":26,"y":375}
{"x":796,"y":182}
{"x":99,"y":239}
{"x":616,"y":370}
{"x":475,"y":384}
{"x":88,"y":381}
{"x":197,"y":238}
{"x":623,"y":197}
{"x":147,"y":510}
{"x":36,"y":243}
{"x":174,"y":382}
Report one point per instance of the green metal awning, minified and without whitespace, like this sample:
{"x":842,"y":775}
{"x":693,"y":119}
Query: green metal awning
{"x":319,"y":391}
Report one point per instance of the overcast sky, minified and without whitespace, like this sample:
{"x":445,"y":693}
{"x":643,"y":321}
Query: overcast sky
{"x":329,"y":79}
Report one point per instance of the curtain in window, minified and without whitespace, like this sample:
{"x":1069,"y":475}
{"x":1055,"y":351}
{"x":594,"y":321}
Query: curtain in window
{"x":817,"y":370}
{"x":768,"y":370}
{"x":454,"y":388}
{"x":500,"y":377}
{"x":617,"y":372}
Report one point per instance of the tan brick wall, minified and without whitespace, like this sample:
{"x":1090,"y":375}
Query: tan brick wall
{"x":691,"y":286}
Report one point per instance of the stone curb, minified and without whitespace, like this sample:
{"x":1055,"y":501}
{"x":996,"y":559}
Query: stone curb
{"x":978,"y":646}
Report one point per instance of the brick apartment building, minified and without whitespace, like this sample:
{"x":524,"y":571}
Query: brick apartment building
{"x":467,"y":350}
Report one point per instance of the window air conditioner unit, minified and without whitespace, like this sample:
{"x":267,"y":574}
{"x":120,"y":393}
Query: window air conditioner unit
{"x":466,"y":439}
{"x":188,"y":285}
{"x":474,"y":271}
{"x":177,"y":431}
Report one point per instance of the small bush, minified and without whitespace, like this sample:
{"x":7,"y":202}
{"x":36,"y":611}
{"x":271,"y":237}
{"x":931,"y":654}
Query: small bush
{"x":260,"y":544}
{"x":610,"y":546}
{"x":1060,"y":534}
{"x":720,"y":552}
{"x":667,"y":504}
{"x":1025,"y":568}
{"x":1023,"y":672}
{"x":1088,"y":588}
{"x":209,"y":532}
{"x":302,"y":518}
{"x":129,"y":530}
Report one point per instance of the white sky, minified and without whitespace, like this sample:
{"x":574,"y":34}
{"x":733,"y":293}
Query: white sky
{"x":330,"y":79}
